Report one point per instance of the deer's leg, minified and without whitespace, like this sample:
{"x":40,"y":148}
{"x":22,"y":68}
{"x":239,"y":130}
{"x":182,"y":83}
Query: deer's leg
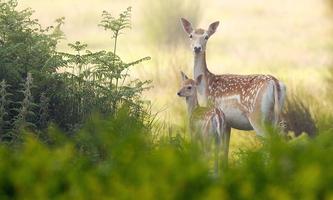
{"x":257,"y":125}
{"x":217,"y":146}
{"x":219,"y":143}
{"x":263,"y":115}
{"x":260,"y":126}
{"x":225,"y":146}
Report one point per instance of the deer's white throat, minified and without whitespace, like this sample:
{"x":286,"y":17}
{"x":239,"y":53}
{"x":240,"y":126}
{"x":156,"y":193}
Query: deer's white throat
{"x":192,"y":104}
{"x":200,"y":66}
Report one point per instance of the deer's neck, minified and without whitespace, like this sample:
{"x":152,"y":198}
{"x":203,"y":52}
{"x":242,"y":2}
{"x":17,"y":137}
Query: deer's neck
{"x":200,"y":65}
{"x":192,"y":104}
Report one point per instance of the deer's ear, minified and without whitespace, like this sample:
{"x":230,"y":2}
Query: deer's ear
{"x":213,"y":27}
{"x":184,"y":77}
{"x":186,"y":25}
{"x":199,"y":79}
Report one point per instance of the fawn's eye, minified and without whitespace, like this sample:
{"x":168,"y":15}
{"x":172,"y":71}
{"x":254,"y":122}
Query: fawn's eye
{"x":189,"y":87}
{"x":191,"y":36}
{"x":206,"y":37}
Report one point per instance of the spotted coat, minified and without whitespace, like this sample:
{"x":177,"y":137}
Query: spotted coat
{"x":246,"y":86}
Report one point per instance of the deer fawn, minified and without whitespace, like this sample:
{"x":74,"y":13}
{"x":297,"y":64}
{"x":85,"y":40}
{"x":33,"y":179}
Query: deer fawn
{"x":205,"y":123}
{"x":249,"y":102}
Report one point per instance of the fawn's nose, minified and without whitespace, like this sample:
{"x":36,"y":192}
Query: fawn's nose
{"x":197,"y":49}
{"x":178,"y":93}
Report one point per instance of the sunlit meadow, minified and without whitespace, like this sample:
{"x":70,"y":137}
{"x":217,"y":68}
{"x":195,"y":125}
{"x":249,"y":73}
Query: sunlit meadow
{"x":80,"y":122}
{"x":288,"y":39}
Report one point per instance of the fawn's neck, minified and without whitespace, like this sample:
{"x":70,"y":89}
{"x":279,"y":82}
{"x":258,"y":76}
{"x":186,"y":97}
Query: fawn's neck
{"x":192,"y":104}
{"x":200,"y":65}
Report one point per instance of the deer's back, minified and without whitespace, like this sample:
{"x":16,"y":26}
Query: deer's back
{"x":245,"y":87}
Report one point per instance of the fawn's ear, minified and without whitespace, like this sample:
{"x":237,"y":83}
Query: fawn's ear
{"x":199,"y":79}
{"x":186,"y":25}
{"x":184,"y":77}
{"x":213,"y":27}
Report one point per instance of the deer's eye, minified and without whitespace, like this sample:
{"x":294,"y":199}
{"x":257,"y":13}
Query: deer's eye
{"x":189,"y":87}
{"x":206,"y":37}
{"x":191,"y":36}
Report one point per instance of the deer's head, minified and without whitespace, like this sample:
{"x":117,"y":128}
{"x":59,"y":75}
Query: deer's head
{"x":199,"y":37}
{"x":189,"y":86}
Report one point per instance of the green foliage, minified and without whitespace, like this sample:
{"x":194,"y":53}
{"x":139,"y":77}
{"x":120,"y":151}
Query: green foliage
{"x":97,"y":81}
{"x":116,"y":25}
{"x":43,"y":112}
{"x":4,"y":103}
{"x":25,"y":47}
{"x":91,"y":82}
{"x":25,"y":112}
{"x":115,"y":158}
{"x":300,"y":169}
{"x":109,"y":158}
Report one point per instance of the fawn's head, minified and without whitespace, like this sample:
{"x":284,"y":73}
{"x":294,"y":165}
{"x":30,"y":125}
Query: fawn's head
{"x":189,"y":86}
{"x":199,"y":37}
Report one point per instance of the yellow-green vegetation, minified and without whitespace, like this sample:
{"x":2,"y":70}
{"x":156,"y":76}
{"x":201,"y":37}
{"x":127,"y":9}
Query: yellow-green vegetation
{"x":287,"y":39}
{"x":118,"y":158}
{"x":74,"y":122}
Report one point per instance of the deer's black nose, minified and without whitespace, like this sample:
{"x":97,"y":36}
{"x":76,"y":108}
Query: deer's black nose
{"x":178,"y":93}
{"x":197,"y":49}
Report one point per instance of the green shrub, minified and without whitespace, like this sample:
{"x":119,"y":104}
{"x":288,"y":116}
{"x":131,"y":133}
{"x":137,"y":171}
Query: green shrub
{"x":92,"y":81}
{"x":115,"y":158}
{"x":109,"y":158}
{"x":25,"y":111}
{"x":4,"y":103}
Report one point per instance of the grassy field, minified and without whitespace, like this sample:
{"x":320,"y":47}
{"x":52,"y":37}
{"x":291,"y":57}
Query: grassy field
{"x":288,"y":39}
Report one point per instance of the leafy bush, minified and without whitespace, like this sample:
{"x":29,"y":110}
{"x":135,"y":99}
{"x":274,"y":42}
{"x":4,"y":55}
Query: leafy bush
{"x":91,"y":82}
{"x":4,"y":103}
{"x":110,"y":157}
{"x":300,"y":169}
{"x":25,"y":111}
{"x":25,"y":47}
{"x":116,"y":158}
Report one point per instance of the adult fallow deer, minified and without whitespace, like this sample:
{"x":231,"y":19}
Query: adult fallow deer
{"x":249,"y":102}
